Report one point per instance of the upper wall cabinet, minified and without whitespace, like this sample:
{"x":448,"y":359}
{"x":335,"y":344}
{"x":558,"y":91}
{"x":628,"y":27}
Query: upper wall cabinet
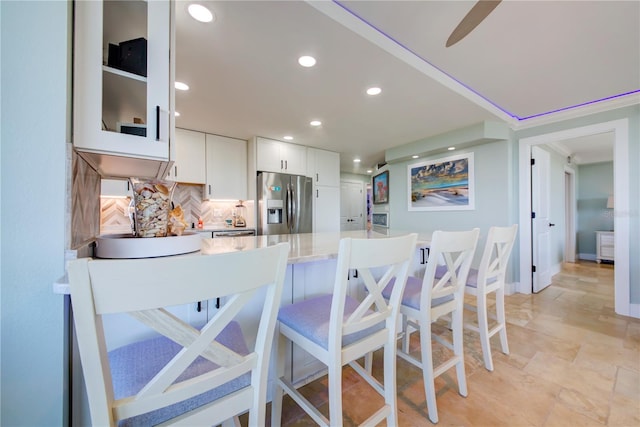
{"x":123,"y":86}
{"x":226,"y":168}
{"x":277,"y":156}
{"x":324,"y":167}
{"x":190,"y":161}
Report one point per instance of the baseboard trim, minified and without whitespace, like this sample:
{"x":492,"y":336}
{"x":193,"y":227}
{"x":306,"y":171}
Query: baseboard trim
{"x":587,"y":257}
{"x":634,"y":310}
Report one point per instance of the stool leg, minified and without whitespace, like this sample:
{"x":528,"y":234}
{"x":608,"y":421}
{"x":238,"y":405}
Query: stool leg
{"x":427,"y":369}
{"x":458,"y":346}
{"x":502,"y":319}
{"x":483,"y":328}
{"x":276,"y":399}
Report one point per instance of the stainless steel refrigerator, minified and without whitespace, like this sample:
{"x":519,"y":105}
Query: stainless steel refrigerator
{"x":284,"y":204}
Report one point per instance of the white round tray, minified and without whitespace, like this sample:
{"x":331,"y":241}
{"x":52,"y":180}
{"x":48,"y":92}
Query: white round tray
{"x":127,"y":246}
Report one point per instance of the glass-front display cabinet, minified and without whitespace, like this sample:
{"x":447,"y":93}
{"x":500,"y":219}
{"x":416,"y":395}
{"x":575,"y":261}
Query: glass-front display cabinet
{"x":123,"y":85}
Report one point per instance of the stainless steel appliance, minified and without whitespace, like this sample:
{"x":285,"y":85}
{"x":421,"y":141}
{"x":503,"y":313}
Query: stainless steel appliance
{"x":233,"y":233}
{"x":284,"y":204}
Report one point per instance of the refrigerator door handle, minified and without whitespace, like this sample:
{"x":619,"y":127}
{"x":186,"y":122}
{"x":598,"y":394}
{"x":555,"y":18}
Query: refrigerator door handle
{"x":289,"y":209}
{"x":294,"y":209}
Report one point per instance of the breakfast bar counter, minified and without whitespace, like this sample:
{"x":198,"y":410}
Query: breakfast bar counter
{"x":305,"y":247}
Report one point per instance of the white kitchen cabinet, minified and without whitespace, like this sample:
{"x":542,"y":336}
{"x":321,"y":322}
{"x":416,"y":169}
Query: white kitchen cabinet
{"x":420,"y":259}
{"x":605,"y":246}
{"x":326,"y":209}
{"x":324,"y":167}
{"x":115,"y":188}
{"x":190,"y":160}
{"x":277,"y":156}
{"x":107,"y":98}
{"x":226,"y":168}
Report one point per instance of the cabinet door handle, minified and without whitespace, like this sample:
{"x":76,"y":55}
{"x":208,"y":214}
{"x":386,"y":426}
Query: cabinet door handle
{"x":157,"y":123}
{"x":209,"y":189}
{"x":317,"y":179}
{"x":317,"y":193}
{"x":175,"y":171}
{"x":281,"y":164}
{"x":286,"y":166}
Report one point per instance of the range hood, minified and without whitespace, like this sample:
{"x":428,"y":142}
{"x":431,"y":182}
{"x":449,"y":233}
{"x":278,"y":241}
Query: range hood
{"x":112,"y":166}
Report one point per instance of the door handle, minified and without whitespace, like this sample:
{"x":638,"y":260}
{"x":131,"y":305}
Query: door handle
{"x":157,"y":123}
{"x":551,"y":224}
{"x":293,"y":208}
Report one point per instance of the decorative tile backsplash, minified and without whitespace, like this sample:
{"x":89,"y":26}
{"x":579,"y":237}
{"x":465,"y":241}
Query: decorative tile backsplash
{"x":114,"y":216}
{"x":85,"y":192}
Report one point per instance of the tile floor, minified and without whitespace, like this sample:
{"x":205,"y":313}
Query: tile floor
{"x":572,"y":362}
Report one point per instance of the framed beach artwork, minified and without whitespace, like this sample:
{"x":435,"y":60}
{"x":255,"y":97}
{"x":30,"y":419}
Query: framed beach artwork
{"x":442,"y":184}
{"x":381,"y":188}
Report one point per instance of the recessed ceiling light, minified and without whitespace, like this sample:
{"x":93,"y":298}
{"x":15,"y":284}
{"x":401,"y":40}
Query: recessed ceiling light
{"x":200,"y":13}
{"x":176,"y":114}
{"x":415,"y":156}
{"x":307,"y":61}
{"x":287,"y":137}
{"x":181,"y":86}
{"x":356,"y":160}
{"x":369,"y":171}
{"x":315,"y":122}
{"x":451,"y":148}
{"x":374,"y":91}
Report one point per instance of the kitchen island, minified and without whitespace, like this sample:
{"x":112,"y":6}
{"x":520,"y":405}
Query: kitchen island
{"x":305,"y":247}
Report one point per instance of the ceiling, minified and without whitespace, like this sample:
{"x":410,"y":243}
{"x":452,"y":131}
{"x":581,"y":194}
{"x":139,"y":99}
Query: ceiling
{"x":526,"y":59}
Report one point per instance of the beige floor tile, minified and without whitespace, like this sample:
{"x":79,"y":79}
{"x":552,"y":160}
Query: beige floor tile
{"x":590,"y":383}
{"x":598,"y":356}
{"x":628,"y":384}
{"x":625,"y":411}
{"x":561,"y":416}
{"x":589,"y":406}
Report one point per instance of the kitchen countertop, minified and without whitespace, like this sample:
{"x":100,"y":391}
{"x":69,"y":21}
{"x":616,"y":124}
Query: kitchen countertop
{"x":305,"y":247}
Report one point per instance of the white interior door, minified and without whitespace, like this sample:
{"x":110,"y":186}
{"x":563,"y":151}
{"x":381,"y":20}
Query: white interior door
{"x":540,"y":224}
{"x":351,"y":206}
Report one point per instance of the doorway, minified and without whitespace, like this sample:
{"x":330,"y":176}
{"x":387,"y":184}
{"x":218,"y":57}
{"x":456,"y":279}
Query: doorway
{"x":620,"y":128}
{"x":569,"y":214}
{"x":352,"y":206}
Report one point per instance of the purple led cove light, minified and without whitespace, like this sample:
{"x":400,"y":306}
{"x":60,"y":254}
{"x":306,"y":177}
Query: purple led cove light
{"x":423,"y":59}
{"x":595,"y":101}
{"x":515,"y":116}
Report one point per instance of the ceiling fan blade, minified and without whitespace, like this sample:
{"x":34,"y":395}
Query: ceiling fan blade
{"x":476,"y":15}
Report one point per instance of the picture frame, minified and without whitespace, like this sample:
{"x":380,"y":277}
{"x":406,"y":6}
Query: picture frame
{"x":380,"y":219}
{"x":445,"y":184}
{"x":380,"y":185}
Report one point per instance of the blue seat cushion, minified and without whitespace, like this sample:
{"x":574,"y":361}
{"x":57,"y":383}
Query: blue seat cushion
{"x":412,"y":292}
{"x":310,"y":318}
{"x":472,"y":278}
{"x":134,"y":365}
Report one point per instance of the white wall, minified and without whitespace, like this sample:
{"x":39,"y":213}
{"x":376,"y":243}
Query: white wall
{"x":34,"y":49}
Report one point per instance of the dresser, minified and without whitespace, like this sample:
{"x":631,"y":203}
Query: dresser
{"x":605,"y":246}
